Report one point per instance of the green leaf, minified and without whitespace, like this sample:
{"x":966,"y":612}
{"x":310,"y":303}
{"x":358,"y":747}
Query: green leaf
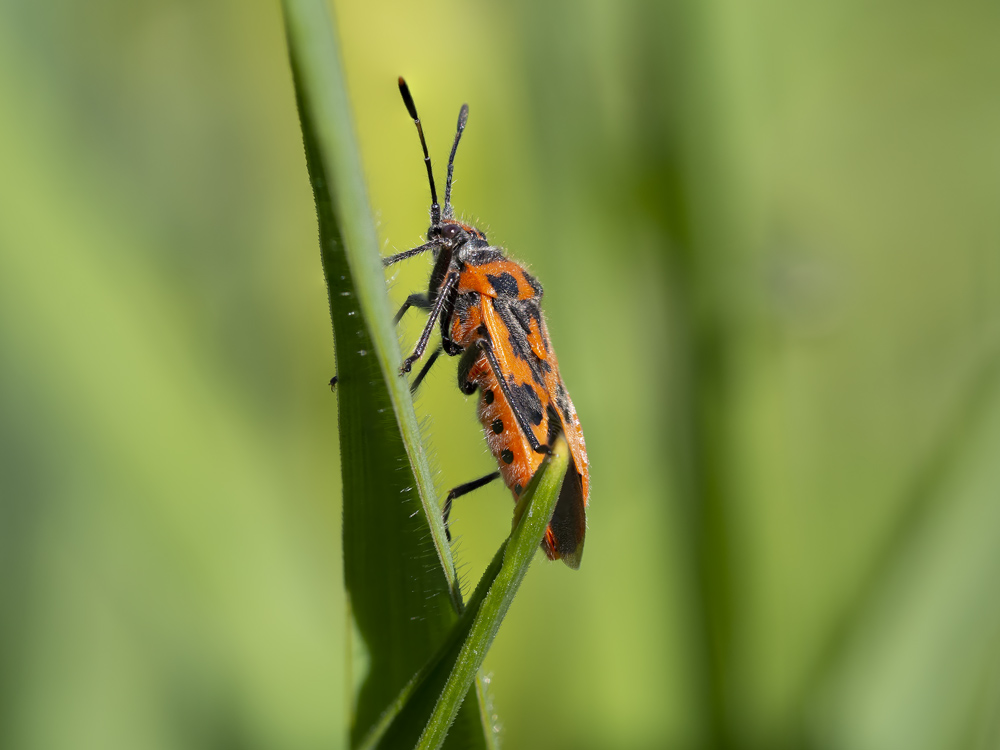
{"x":429,"y":704}
{"x":397,"y":562}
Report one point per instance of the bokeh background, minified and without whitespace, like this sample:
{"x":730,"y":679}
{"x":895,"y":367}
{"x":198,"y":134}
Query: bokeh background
{"x":768,"y":233}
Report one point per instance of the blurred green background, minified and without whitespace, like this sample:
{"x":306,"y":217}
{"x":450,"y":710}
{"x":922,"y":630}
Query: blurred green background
{"x":768,"y":233}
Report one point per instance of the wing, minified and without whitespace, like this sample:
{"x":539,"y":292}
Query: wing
{"x":524,"y":371}
{"x":520,"y":337}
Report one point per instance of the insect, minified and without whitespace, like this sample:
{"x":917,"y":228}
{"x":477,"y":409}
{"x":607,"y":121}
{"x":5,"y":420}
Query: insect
{"x":489,"y":309}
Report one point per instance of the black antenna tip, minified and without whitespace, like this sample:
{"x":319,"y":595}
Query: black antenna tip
{"x":404,"y":91}
{"x":463,"y":117}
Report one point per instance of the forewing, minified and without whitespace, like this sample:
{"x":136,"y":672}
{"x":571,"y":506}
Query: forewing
{"x":524,"y":371}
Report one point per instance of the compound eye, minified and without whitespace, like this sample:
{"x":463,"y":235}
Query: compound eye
{"x":450,"y":231}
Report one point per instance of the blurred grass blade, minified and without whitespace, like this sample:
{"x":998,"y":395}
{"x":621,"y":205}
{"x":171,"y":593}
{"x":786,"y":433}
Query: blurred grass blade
{"x":397,"y":563}
{"x":426,"y":707}
{"x":927,"y":492}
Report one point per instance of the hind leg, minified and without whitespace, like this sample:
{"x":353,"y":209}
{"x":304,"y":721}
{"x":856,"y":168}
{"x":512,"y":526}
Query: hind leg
{"x":464,"y":489}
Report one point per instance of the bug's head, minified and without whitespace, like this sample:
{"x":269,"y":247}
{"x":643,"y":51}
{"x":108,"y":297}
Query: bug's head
{"x":448,"y":232}
{"x":436,"y":213}
{"x":453,"y":234}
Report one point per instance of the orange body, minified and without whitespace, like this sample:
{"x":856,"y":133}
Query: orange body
{"x":499,"y":301}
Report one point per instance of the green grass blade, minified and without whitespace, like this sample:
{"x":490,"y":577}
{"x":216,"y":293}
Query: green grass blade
{"x":428,"y":704}
{"x":397,"y":562}
{"x":495,"y":593}
{"x":404,"y":719}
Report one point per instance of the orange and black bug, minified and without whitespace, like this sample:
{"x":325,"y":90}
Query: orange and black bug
{"x":489,"y":308}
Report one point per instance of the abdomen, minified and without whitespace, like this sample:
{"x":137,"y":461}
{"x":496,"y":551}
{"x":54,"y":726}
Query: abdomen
{"x":511,"y":449}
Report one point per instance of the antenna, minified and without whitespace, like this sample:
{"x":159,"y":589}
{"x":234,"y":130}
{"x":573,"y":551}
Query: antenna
{"x":404,"y":90}
{"x":463,"y":117}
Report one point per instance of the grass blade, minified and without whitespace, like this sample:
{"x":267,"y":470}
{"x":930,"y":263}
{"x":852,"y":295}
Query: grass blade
{"x":495,"y":593}
{"x":397,"y":563}
{"x":428,"y":704}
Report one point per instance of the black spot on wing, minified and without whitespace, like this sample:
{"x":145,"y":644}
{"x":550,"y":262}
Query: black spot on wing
{"x":524,"y":312}
{"x":526,"y":401}
{"x":504,"y":284}
{"x":517,"y":335}
{"x":515,"y":320}
{"x":527,"y":311}
{"x":555,"y":426}
{"x":516,"y":316}
{"x":463,"y":304}
{"x":562,"y":401}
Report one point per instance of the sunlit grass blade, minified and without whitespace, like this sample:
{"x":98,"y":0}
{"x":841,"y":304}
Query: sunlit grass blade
{"x":493,"y":597}
{"x":426,"y":707}
{"x":397,"y":562}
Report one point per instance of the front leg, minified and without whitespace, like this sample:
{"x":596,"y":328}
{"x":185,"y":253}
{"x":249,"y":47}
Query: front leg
{"x":393,"y":259}
{"x":450,"y":282}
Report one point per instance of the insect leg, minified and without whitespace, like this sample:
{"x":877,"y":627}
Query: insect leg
{"x":464,"y":489}
{"x":423,"y":370}
{"x":443,"y":293}
{"x":420,"y":301}
{"x":393,"y":259}
{"x":491,"y":357}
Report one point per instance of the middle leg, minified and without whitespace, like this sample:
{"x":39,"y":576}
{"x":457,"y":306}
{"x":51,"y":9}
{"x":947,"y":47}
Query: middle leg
{"x":423,"y":370}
